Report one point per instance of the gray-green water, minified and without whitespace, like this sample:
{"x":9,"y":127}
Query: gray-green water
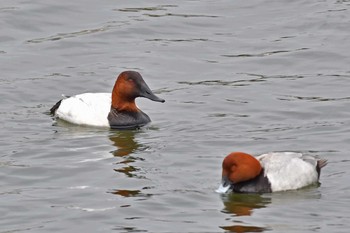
{"x":253,"y":76}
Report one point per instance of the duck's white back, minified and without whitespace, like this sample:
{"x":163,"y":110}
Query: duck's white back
{"x":289,"y":170}
{"x":86,"y":109}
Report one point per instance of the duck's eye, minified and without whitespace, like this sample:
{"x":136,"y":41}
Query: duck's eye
{"x":130,"y":79}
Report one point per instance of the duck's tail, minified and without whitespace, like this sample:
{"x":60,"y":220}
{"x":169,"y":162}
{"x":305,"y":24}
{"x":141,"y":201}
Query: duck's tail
{"x":55,"y":107}
{"x":320,"y":164}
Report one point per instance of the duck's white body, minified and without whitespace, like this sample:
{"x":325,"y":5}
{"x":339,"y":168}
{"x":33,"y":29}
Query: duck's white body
{"x":289,"y":170}
{"x":86,"y":109}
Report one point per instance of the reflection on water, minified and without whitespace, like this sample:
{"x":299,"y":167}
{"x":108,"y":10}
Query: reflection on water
{"x":130,"y":193}
{"x":241,"y":228}
{"x":127,"y":193}
{"x":126,"y":145}
{"x":125,"y":142}
{"x":243,"y":205}
{"x":128,"y":171}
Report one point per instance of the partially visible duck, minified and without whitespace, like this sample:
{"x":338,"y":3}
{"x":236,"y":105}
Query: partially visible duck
{"x":117,"y":110}
{"x":271,"y":172}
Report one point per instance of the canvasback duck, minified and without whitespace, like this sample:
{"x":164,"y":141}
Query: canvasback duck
{"x":117,"y":110}
{"x":271,"y":172}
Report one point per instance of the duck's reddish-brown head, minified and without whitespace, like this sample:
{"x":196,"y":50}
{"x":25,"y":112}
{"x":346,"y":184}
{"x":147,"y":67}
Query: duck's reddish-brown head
{"x":238,"y":167}
{"x":130,"y":85}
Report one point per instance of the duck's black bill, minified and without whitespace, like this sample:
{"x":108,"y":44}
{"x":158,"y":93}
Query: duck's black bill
{"x":147,"y":93}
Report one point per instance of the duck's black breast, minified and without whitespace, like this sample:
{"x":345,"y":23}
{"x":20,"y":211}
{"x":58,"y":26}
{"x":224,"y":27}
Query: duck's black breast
{"x":127,"y":120}
{"x":259,"y":184}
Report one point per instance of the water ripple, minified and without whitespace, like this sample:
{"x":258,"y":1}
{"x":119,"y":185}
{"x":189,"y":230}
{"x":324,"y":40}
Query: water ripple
{"x":89,"y":209}
{"x":289,"y":77}
{"x":312,"y":98}
{"x":343,"y":1}
{"x":224,"y":83}
{"x":138,"y":9}
{"x":264,"y":54}
{"x":179,"y":40}
{"x":9,"y":8}
{"x":182,"y":15}
{"x":61,"y":36}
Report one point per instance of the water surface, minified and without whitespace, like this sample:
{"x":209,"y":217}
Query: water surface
{"x":253,"y":76}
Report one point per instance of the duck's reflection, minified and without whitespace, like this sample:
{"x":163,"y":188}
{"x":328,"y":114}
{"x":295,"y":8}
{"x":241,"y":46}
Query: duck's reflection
{"x":243,"y":205}
{"x":241,"y":228}
{"x":127,"y":193}
{"x":125,"y":142}
{"x":131,"y":193}
{"x":126,"y":147}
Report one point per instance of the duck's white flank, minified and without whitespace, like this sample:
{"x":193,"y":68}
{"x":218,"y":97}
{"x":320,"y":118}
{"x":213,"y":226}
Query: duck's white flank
{"x":86,"y":109}
{"x":289,"y":170}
